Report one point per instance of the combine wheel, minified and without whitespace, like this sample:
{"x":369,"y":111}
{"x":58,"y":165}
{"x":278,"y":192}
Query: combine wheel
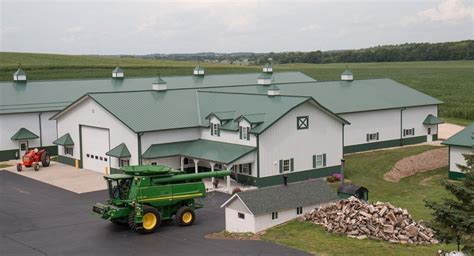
{"x":150,"y":222}
{"x":36,"y":167}
{"x":45,"y":159}
{"x":19,"y":167}
{"x":185,"y":216}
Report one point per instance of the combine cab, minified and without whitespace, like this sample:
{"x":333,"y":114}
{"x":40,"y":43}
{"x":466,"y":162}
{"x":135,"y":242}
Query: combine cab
{"x":145,"y":195}
{"x":33,"y":158}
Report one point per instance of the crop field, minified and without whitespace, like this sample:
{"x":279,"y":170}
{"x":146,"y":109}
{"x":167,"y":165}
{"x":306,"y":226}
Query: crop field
{"x":449,"y":81}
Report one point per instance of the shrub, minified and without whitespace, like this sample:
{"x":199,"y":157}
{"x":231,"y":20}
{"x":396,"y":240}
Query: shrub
{"x":236,"y":190}
{"x":330,"y":179}
{"x":337,"y":176}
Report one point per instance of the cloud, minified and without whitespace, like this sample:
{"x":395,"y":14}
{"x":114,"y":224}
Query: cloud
{"x":311,"y":27}
{"x":75,"y":29}
{"x":447,"y":11}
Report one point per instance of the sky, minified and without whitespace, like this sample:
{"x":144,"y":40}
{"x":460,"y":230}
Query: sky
{"x":185,"y":26}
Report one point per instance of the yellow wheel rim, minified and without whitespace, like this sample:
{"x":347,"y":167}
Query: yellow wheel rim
{"x":187,"y":217}
{"x":149,"y":220}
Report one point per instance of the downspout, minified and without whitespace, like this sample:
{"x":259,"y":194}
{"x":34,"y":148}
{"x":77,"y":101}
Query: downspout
{"x":401,"y":125}
{"x":258,"y":160}
{"x":139,"y":136}
{"x":40,"y":135}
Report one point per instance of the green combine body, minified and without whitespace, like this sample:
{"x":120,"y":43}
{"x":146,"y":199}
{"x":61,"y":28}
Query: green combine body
{"x":145,"y":195}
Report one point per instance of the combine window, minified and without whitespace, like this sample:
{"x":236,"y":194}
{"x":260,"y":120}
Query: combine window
{"x":118,"y":189}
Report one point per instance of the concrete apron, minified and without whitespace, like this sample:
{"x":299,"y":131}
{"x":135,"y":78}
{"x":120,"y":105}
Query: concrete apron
{"x":65,"y":177}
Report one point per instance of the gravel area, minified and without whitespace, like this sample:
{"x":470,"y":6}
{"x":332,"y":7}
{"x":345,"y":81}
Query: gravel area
{"x":426,"y":161}
{"x":447,"y":130}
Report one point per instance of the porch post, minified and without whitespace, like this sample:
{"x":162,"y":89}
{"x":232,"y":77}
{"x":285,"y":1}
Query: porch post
{"x":196,"y":161}
{"x":212,"y":170}
{"x":182,"y":162}
{"x":228,"y":167}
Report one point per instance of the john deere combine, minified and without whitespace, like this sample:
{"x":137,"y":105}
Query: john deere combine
{"x":145,"y":195}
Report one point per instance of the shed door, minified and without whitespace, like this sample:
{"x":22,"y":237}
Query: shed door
{"x":95,"y":143}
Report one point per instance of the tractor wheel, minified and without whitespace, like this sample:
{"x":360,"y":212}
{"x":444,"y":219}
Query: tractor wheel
{"x":150,"y":222}
{"x":185,"y":216}
{"x":36,"y":167}
{"x":19,"y":167}
{"x":45,"y":159}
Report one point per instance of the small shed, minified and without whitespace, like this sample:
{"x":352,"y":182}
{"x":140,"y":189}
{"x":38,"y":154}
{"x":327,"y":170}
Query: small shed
{"x":347,"y":190}
{"x":257,"y":210}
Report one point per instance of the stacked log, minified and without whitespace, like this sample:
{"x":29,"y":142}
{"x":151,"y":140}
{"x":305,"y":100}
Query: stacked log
{"x":378,"y":221}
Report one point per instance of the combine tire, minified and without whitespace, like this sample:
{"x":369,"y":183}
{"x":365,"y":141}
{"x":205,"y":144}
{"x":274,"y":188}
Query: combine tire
{"x":45,"y":159}
{"x":19,"y":167}
{"x":185,"y":216}
{"x":150,"y":222}
{"x":36,"y":167}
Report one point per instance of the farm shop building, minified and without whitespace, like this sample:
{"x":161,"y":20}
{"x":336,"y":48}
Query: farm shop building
{"x":460,"y":144}
{"x":260,"y":137}
{"x":26,"y":106}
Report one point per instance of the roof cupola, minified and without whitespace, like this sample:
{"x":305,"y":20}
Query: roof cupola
{"x":347,"y":75}
{"x":160,"y":85}
{"x":19,"y":75}
{"x":117,"y":73}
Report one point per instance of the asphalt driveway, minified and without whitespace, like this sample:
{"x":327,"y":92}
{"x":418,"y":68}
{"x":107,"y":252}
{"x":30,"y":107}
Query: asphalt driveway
{"x":40,"y":219}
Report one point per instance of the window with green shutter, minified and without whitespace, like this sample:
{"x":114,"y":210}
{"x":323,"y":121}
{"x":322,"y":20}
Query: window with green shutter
{"x":287,"y":165}
{"x":319,"y":161}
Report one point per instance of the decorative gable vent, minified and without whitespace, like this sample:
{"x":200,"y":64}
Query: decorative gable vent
{"x":198,"y":71}
{"x":273,"y":90}
{"x":160,"y":85}
{"x":268,"y":68}
{"x":265,"y":79}
{"x":117,"y":73}
{"x":19,"y":75}
{"x":347,"y":75}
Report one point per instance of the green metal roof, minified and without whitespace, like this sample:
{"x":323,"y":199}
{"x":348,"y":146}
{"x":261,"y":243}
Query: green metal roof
{"x":24,"y":134}
{"x":64,"y":140}
{"x":353,"y":96}
{"x":265,"y":76}
{"x":19,"y":72}
{"x":120,"y":151}
{"x":252,"y":118}
{"x":54,"y":95}
{"x":278,"y":198}
{"x":219,"y":152}
{"x":224,"y":115}
{"x":432,"y":120}
{"x":464,"y":138}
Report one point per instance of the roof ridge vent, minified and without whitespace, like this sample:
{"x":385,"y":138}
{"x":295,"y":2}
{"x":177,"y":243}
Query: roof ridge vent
{"x":160,"y":85}
{"x":267,"y":68}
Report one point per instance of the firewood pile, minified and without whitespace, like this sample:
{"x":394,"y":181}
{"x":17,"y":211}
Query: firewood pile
{"x":378,"y":221}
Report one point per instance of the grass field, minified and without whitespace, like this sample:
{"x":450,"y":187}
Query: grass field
{"x":367,"y":169}
{"x":449,"y":81}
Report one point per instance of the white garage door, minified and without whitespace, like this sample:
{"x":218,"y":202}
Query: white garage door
{"x":95,"y":143}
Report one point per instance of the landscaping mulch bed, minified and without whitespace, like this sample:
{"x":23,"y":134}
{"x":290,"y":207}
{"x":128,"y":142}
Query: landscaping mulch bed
{"x":426,"y":161}
{"x":234,"y":236}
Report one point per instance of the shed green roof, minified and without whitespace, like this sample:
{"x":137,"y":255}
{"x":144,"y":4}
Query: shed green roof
{"x":24,"y":134}
{"x":54,"y":95}
{"x":219,"y":152}
{"x":432,"y":120}
{"x":120,"y":151}
{"x":64,"y":140}
{"x":464,"y":138}
{"x":278,"y":198}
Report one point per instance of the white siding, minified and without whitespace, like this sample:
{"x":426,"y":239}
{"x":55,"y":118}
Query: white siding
{"x":265,"y":221}
{"x":456,"y":157}
{"x":89,"y":113}
{"x":414,"y":117}
{"x":233,"y":223}
{"x":11,"y":123}
{"x":228,"y":136}
{"x":284,"y":141}
{"x":173,"y":162}
{"x":159,"y":137}
{"x":48,"y":129}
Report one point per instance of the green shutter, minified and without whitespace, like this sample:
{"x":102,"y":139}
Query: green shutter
{"x":324,"y":159}
{"x":368,"y":136}
{"x":218,"y":130}
{"x":377,"y":136}
{"x":281,"y":166}
{"x":314,"y":161}
{"x":248,"y":134}
{"x":240,"y":132}
{"x":250,"y":169}
{"x":291,"y":165}
{"x":212,"y":129}
{"x":413,"y":131}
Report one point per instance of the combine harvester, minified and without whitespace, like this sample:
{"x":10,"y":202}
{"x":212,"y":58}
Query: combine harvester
{"x":145,"y":195}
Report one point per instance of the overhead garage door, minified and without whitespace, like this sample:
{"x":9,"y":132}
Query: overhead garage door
{"x":95,"y":143}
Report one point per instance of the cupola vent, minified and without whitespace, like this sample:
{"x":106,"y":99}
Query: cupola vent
{"x":198,"y":71}
{"x":160,"y":85}
{"x":117,"y":73}
{"x":265,"y":79}
{"x":347,"y":75}
{"x":19,"y":75}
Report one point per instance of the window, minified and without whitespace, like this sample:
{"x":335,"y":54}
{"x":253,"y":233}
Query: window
{"x":372,"y":136}
{"x":215,"y":129}
{"x":242,"y":168}
{"x":302,"y":122}
{"x":101,"y":158}
{"x":87,"y":155}
{"x":153,"y":163}
{"x":187,"y":161}
{"x":218,"y":166}
{"x":286,"y":165}
{"x":124,"y":162}
{"x":299,"y":210}
{"x":319,"y":160}
{"x":96,"y":157}
{"x":409,"y":132}
{"x":244,"y":133}
{"x":68,"y":150}
{"x":105,"y":159}
{"x":274,"y":215}
{"x":241,"y":216}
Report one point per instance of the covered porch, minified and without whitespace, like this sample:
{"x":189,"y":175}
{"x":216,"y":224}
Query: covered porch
{"x":201,"y":155}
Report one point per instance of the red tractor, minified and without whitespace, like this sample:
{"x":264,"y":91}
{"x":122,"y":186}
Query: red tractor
{"x":32,"y":158}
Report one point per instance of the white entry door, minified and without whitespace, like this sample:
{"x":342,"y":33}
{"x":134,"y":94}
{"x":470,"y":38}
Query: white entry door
{"x":95,"y":143}
{"x":23,"y":148}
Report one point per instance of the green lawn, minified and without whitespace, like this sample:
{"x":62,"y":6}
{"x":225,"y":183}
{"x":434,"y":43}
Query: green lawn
{"x":367,"y":169}
{"x":449,"y":81}
{"x":5,"y":165}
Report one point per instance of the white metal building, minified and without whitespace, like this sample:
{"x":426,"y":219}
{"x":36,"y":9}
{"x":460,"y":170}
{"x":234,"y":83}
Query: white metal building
{"x":460,"y":144}
{"x":256,"y":210}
